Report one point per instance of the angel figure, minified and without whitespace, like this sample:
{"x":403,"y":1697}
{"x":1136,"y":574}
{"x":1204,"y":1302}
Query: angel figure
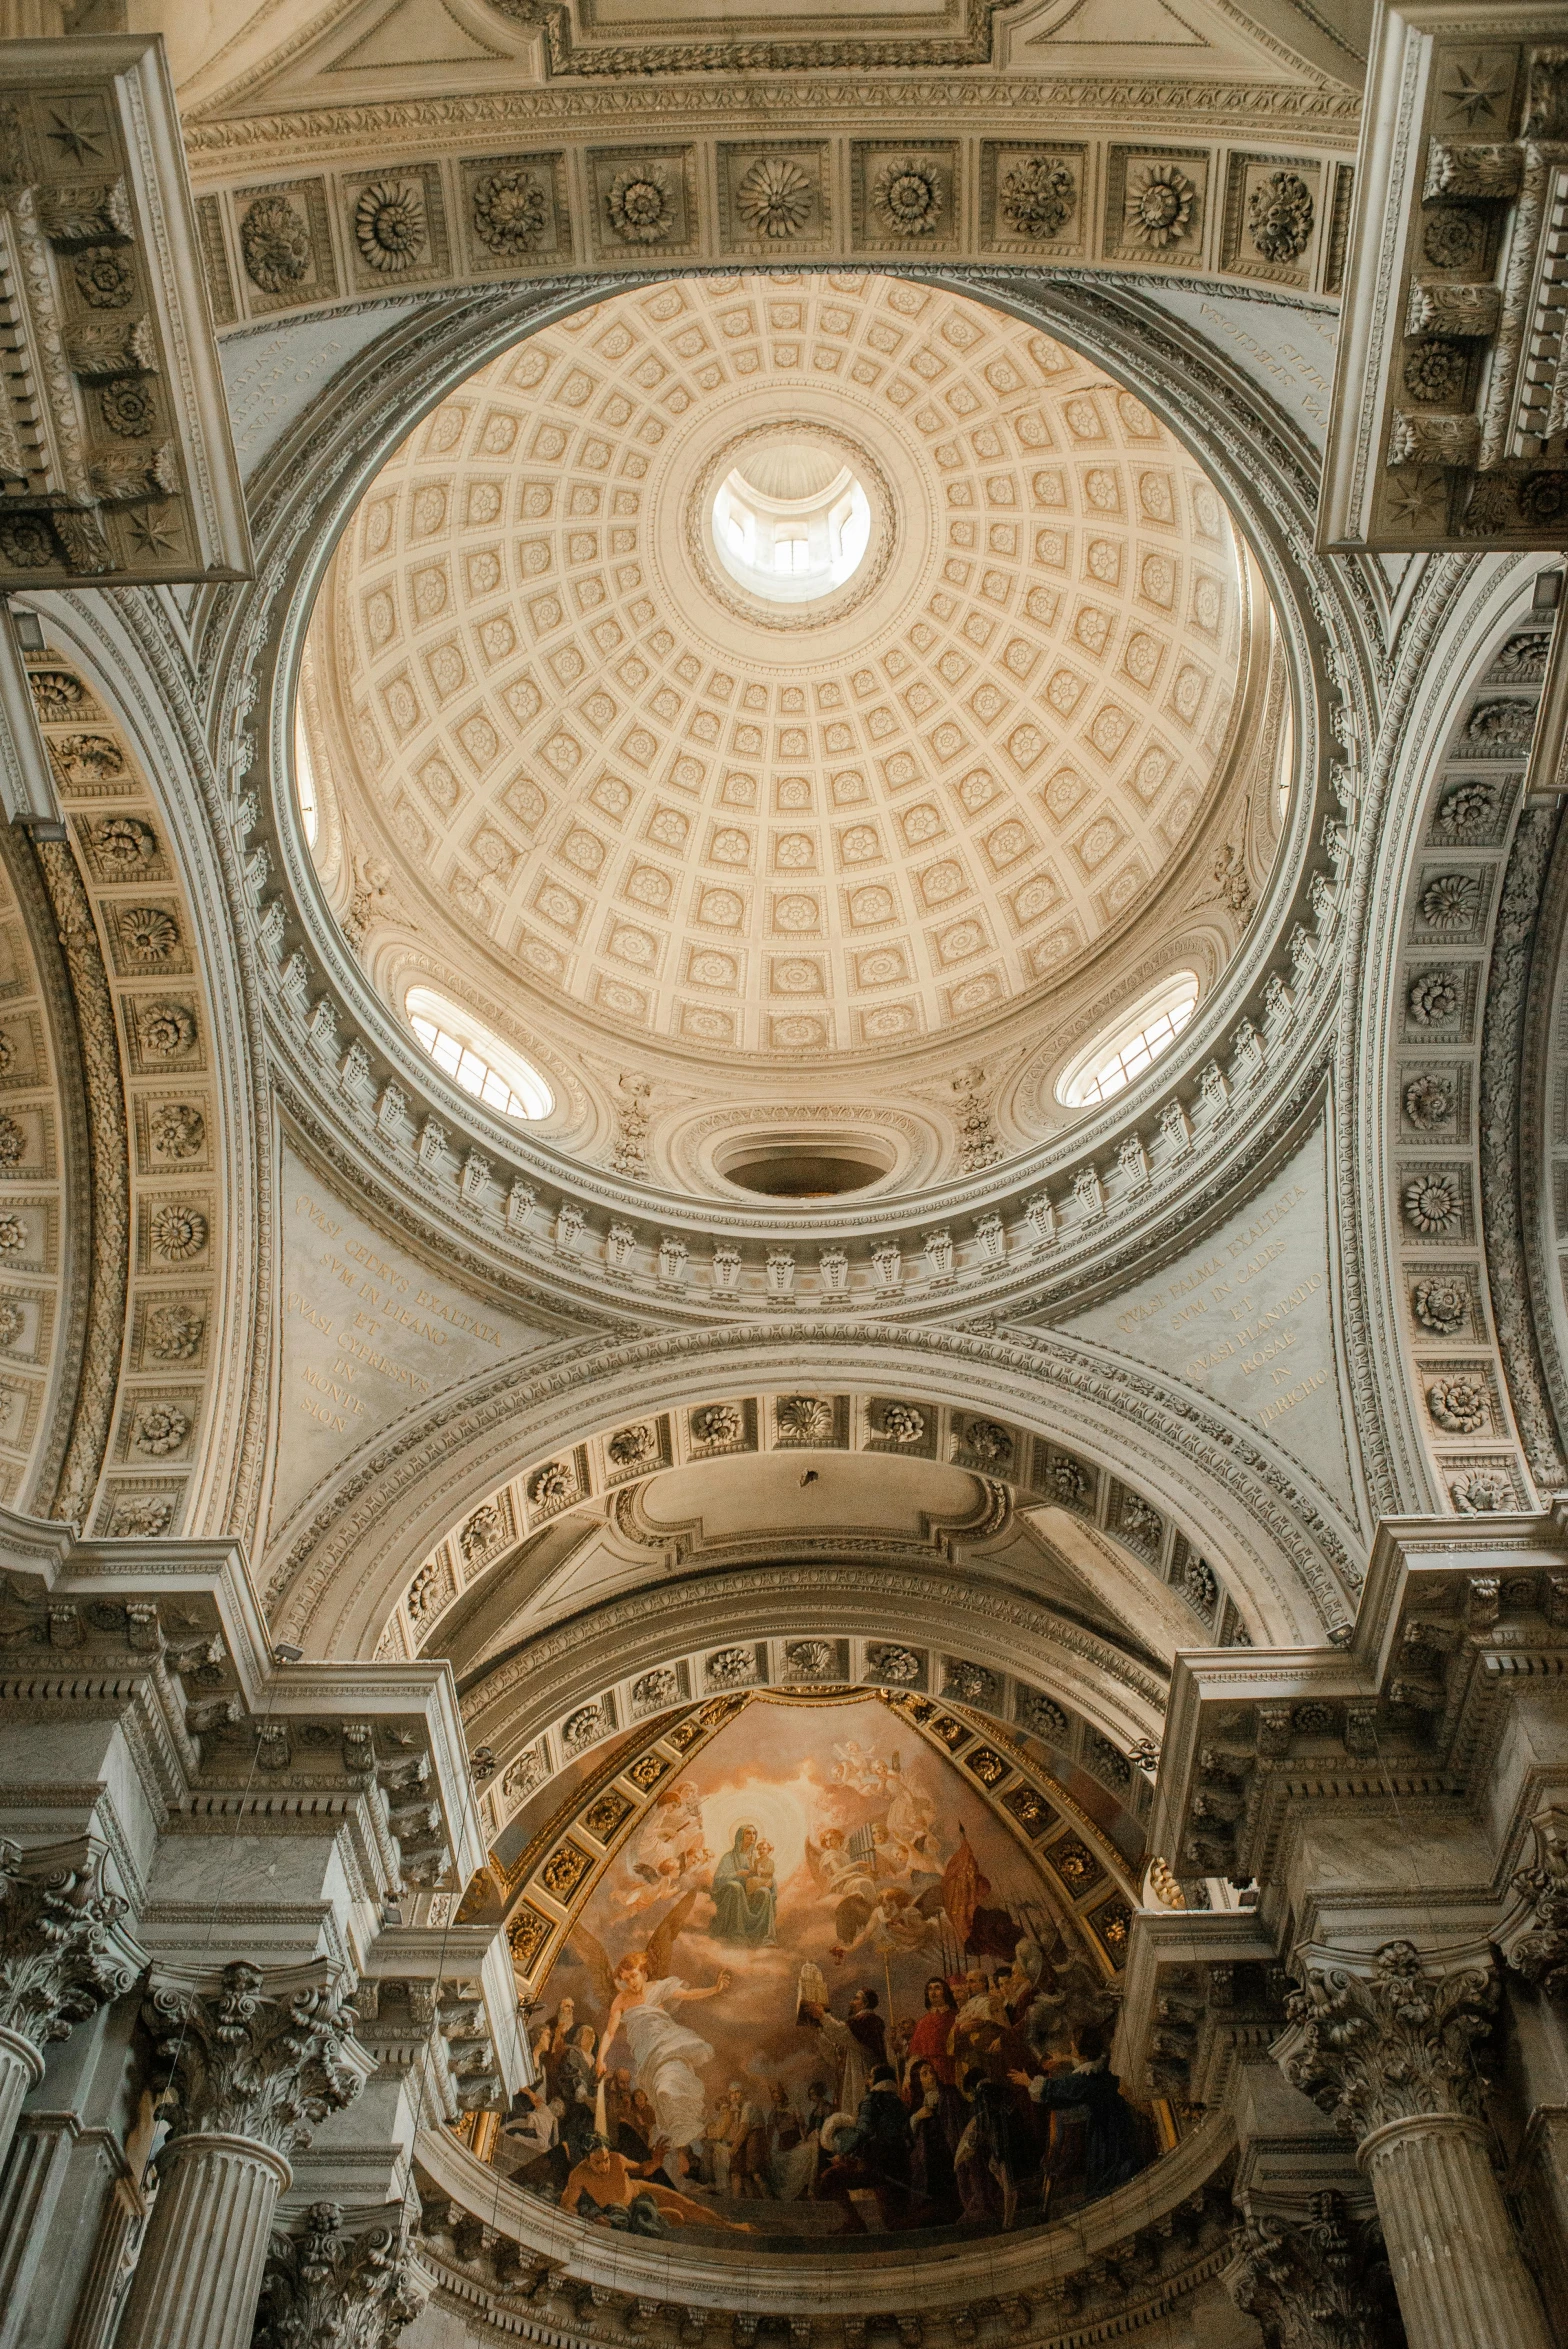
{"x":667,"y":2059}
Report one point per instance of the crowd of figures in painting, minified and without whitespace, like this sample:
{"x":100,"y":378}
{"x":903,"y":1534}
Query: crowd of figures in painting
{"x":822,"y":1991}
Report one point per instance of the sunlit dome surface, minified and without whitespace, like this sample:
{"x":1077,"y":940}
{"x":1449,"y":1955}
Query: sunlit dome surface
{"x":632,"y":768}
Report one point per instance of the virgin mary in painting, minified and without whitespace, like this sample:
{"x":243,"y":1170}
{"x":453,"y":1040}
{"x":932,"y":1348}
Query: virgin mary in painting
{"x":745,"y":1898}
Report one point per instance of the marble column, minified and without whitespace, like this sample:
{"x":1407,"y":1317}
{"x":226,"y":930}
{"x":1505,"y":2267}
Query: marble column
{"x":64,"y":1952}
{"x":1386,"y":2043}
{"x":253,"y":2062}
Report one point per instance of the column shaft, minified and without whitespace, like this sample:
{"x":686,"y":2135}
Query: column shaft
{"x":29,"y":2188}
{"x":199,"y":2275}
{"x":21,"y":2068}
{"x":1457,"y":2266}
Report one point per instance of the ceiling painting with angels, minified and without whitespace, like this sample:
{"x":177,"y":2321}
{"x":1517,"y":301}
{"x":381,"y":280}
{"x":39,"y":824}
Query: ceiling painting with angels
{"x":821,"y":1991}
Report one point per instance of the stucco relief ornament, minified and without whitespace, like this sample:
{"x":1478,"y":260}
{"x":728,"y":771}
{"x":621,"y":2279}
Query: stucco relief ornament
{"x":1440,"y":1305}
{"x":583,"y":1727}
{"x":1037,"y":197}
{"x":641,"y":205}
{"x":1394,"y":2044}
{"x":12,"y":1323}
{"x":148,"y":933}
{"x":1451,"y":902}
{"x":732,"y":1668}
{"x":177,"y":1233}
{"x":1038,"y":1713}
{"x":810,"y":1659}
{"x":1435,"y":373}
{"x":1481,"y":1493}
{"x":63,"y":1949}
{"x":13,"y":1144}
{"x":242,"y":2062}
{"x":774,"y":198}
{"x":128,"y":407}
{"x":1434,"y":998}
{"x":1469,"y":811}
{"x":1200,"y":1586}
{"x":971,"y":1684}
{"x":908,"y":195}
{"x":1159,"y":204}
{"x":805,"y":1419}
{"x":88,"y":758}
{"x":527,"y":1772}
{"x":13,"y":1236}
{"x":631,"y":1446}
{"x":901,"y":1666}
{"x":901,"y":1423}
{"x":1523,"y":658}
{"x":1454,"y":239}
{"x":1279,"y":216}
{"x":657,"y":1688}
{"x":1140,"y":1522}
{"x":1431,"y":1102}
{"x":717,"y":1423}
{"x":161,"y":1428}
{"x":553,"y":1485}
{"x":1068,"y":1481}
{"x":56,"y":693}
{"x":174,"y":1332}
{"x":1432,"y":1203}
{"x":178,"y":1130}
{"x":389,"y":224}
{"x":989,"y":1442}
{"x":1507,"y":725}
{"x":511,"y":211}
{"x":105,"y":277}
{"x":125,"y":840}
{"x":144,"y":1519}
{"x":481,"y":1531}
{"x":166,"y":1029}
{"x":1457,"y":1405}
{"x":275,"y":243}
{"x":27,"y":543}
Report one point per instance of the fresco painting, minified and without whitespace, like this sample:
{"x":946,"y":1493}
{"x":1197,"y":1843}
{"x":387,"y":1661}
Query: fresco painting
{"x":822,"y":1992}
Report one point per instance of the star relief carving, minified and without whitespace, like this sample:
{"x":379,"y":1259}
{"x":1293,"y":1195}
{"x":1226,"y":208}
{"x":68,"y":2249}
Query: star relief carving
{"x":1477,"y":90}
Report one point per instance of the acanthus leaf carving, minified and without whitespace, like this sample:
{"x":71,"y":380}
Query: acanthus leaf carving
{"x":324,"y":2283}
{"x":1392,"y":2043}
{"x":63,"y":1948}
{"x":249,"y":2057}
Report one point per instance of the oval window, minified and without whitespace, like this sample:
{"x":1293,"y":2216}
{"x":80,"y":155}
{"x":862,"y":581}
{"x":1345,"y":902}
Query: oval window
{"x":1123,"y":1052}
{"x":492,"y":1071}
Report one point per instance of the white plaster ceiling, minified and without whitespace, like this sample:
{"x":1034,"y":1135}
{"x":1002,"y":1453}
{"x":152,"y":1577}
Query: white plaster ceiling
{"x":634,"y":802}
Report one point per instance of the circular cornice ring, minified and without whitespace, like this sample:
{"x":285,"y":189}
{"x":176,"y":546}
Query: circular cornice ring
{"x":828,"y":611}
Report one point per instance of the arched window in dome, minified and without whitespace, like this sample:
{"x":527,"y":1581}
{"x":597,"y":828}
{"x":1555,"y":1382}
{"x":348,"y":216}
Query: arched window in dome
{"x":473,"y":1057}
{"x":1122,"y":1052}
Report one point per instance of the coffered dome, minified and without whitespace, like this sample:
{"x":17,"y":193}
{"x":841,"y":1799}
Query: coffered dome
{"x":599,"y":769}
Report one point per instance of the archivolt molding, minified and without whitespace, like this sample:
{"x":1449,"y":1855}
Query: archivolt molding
{"x":1438,"y":1320}
{"x":610,"y":1477}
{"x":1048,"y":1221}
{"x":1291,"y":1562}
{"x":531,"y":1701}
{"x":424,"y":196}
{"x":128,"y":754}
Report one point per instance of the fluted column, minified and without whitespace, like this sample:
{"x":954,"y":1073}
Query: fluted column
{"x":254,"y":2064}
{"x":63,"y":1953}
{"x":1386,"y":2044}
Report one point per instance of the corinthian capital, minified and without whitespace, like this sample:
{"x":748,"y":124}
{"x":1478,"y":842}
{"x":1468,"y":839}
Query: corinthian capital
{"x":1316,"y":2283}
{"x":253,"y":2055}
{"x":357,"y":2291}
{"x":1535,"y":1937}
{"x":1386,"y":2039}
{"x":63,"y":1947}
